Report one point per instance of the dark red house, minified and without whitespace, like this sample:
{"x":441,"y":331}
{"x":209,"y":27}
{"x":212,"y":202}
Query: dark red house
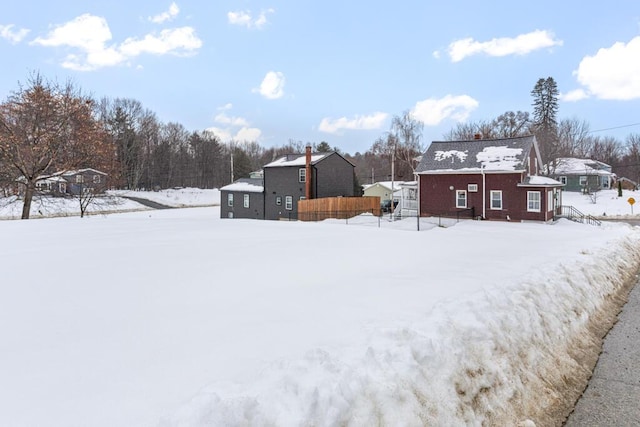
{"x":494,"y":179}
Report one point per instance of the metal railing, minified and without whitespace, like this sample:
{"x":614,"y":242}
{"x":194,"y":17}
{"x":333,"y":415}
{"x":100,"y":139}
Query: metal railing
{"x":574,"y":214}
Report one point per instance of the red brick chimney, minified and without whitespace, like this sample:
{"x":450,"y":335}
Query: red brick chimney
{"x":307,"y":190}
{"x":477,"y":136}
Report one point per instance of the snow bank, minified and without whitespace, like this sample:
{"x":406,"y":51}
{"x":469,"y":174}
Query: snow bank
{"x":501,"y":356}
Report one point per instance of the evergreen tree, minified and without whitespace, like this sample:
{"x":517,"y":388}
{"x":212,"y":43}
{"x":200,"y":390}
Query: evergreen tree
{"x":545,"y":111}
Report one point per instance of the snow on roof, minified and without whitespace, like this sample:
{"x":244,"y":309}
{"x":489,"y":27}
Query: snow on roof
{"x":506,"y":154}
{"x":451,"y":154}
{"x":499,"y":158}
{"x":571,"y":165}
{"x":247,"y":185}
{"x":542,"y":181}
{"x":296,"y":160}
{"x":75,"y":172}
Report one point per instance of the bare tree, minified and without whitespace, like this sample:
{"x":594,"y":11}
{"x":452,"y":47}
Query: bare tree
{"x":574,"y":139}
{"x":46,"y":127}
{"x":407,"y":135}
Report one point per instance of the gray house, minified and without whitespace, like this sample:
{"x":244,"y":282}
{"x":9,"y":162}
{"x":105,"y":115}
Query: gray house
{"x":285,"y":181}
{"x":583,"y":175}
{"x":242,"y":199}
{"x":73,"y":182}
{"x":295,"y":177}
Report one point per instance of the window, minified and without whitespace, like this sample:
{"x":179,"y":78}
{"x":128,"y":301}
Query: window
{"x":583,"y":181}
{"x":288,"y":203}
{"x":96,"y":179}
{"x":533,"y":201}
{"x":302,"y":175}
{"x":230,"y":215}
{"x":605,"y":182}
{"x":302,"y":198}
{"x":62,"y":187}
{"x":496,"y":199}
{"x":278,"y":200}
{"x":230,"y":199}
{"x":563,"y":179}
{"x":472,"y":188}
{"x":549,"y":200}
{"x":461,"y":198}
{"x":79,"y":179}
{"x":246,"y":201}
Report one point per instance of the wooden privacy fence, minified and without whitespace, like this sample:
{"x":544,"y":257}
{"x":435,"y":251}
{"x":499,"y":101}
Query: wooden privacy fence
{"x":337,"y":207}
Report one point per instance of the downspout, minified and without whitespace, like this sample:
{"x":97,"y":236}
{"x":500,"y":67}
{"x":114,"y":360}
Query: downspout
{"x":307,"y":192}
{"x":484,"y":193}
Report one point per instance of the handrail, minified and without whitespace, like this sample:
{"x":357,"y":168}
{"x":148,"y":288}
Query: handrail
{"x":574,"y":214}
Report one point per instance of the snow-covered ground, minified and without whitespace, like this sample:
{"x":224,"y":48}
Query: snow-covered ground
{"x":180,"y":318}
{"x":113,"y":201}
{"x":605,"y":203}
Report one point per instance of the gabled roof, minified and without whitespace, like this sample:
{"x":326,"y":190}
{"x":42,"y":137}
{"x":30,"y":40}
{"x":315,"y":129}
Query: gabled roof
{"x":505,"y":154}
{"x":300,"y":159}
{"x":575,"y":166}
{"x":247,"y":185}
{"x":386,"y":184}
{"x":78,"y":171}
{"x":296,"y":160}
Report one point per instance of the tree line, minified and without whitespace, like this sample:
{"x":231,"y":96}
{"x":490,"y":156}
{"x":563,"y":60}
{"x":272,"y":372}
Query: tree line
{"x":47,"y":127}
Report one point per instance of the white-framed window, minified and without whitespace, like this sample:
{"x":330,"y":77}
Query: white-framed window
{"x":533,"y":201}
{"x":472,"y":188}
{"x":496,"y":199}
{"x":583,"y":181}
{"x":278,"y":200}
{"x":245,"y":201}
{"x":288,"y":202}
{"x":563,"y":179}
{"x":549,"y":200}
{"x":62,"y":187}
{"x":461,"y":198}
{"x":79,"y":179}
{"x":303,"y":198}
{"x":96,"y":179}
{"x":230,"y":199}
{"x":302,"y":175}
{"x":605,"y":182}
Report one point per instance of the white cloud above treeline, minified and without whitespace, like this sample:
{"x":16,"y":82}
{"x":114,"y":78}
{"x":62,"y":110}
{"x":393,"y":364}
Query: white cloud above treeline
{"x":613,"y":73}
{"x":168,"y":15}
{"x":358,"y":122}
{"x":244,"y":18}
{"x":433,"y":111}
{"x":232,"y":128}
{"x":13,"y":35}
{"x":504,"y":46}
{"x":89,"y":35}
{"x":272,"y":86}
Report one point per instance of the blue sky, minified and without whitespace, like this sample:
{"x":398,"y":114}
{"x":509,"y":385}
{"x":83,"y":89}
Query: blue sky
{"x":333,"y":71}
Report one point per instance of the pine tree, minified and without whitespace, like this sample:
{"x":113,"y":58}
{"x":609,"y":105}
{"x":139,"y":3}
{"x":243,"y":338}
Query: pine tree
{"x":545,"y":111}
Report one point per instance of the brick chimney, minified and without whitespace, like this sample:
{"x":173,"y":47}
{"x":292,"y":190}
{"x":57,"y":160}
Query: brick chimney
{"x":477,"y":136}
{"x":307,"y":190}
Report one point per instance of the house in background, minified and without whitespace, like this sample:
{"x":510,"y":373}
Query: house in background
{"x":383,"y":189}
{"x":407,"y":196}
{"x":494,"y":179}
{"x":583,"y":175}
{"x":243,"y":199}
{"x":73,"y":182}
{"x":626,"y":184}
{"x":287,"y":180}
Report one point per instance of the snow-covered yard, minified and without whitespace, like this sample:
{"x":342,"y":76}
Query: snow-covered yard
{"x":177,"y":317}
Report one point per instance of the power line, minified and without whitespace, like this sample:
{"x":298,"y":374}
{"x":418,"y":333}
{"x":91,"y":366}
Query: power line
{"x":615,"y":127}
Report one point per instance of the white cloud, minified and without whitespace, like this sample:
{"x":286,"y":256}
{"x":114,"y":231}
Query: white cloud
{"x":7,"y":32}
{"x":173,"y":11}
{"x":364,"y":122}
{"x":89,"y":34}
{"x":433,"y":111}
{"x":248,"y":134}
{"x":176,"y":41}
{"x":245,"y":19}
{"x":222,"y":118}
{"x":612,"y":73}
{"x":520,"y":45}
{"x":574,"y":95}
{"x":233,"y":128}
{"x":272,"y":86}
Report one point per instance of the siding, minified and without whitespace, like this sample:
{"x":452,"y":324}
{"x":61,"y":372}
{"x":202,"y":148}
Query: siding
{"x":254,"y":211}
